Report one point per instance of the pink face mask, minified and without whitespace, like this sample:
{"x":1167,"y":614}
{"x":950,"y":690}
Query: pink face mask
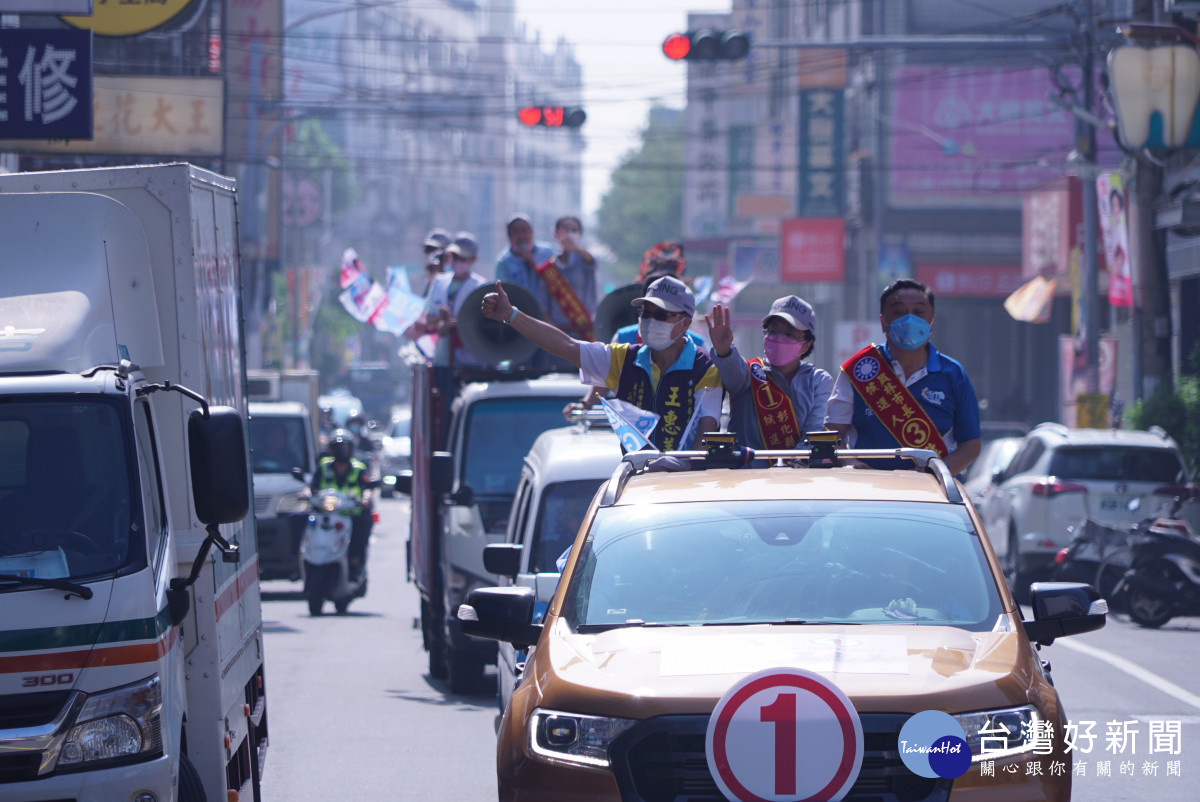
{"x":780,"y":350}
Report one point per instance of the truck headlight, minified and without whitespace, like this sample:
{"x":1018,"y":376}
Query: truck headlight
{"x":573,"y":738}
{"x":116,"y":725}
{"x":291,"y":504}
{"x":1005,"y":733}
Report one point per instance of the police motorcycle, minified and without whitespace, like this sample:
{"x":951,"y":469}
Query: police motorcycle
{"x":325,"y":548}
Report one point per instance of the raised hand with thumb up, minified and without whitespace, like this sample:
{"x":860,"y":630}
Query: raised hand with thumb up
{"x":496,"y":305}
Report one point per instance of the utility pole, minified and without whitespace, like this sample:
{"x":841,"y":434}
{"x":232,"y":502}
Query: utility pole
{"x":1086,"y":138}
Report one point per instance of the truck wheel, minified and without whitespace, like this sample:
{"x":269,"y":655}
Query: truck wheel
{"x":465,"y":671}
{"x":435,"y":643}
{"x":189,"y":788}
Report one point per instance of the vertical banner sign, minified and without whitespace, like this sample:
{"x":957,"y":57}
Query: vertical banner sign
{"x":1110,"y":193}
{"x":822,"y":189}
{"x":45,"y":84}
{"x":812,"y":249}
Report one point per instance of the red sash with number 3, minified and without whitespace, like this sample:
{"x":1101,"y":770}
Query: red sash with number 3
{"x":564,"y":295}
{"x":894,"y":404}
{"x":776,"y":416}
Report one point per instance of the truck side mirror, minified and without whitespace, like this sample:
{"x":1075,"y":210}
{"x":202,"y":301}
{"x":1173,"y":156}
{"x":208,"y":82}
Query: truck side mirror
{"x":441,"y":472}
{"x":220,"y":476}
{"x":404,"y":482}
{"x":298,"y":474}
{"x":503,"y":559}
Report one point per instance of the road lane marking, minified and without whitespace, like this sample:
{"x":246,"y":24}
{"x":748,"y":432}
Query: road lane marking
{"x":1134,"y":670}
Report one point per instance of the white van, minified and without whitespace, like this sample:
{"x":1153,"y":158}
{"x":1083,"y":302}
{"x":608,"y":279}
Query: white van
{"x":561,"y":474}
{"x":281,"y":440}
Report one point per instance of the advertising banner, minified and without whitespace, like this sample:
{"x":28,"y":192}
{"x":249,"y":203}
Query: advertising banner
{"x":1114,"y":227}
{"x":812,"y":249}
{"x":45,"y":84}
{"x":151,"y":115}
{"x":976,"y":136}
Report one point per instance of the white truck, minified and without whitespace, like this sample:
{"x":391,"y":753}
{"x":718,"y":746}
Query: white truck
{"x":131,"y":645}
{"x":466,"y":460}
{"x":283,"y":456}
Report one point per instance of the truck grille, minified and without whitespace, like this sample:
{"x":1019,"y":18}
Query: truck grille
{"x":30,"y":709}
{"x":662,"y":760}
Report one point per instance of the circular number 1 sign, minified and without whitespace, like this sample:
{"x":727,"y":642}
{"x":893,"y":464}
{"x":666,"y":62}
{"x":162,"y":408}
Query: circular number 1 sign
{"x":784,"y":735}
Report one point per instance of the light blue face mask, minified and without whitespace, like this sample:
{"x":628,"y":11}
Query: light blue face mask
{"x":909,"y":332}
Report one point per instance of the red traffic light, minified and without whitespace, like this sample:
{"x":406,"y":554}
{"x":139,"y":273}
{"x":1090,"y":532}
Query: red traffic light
{"x":707,"y":45}
{"x":530,"y":115}
{"x":552,"y":116}
{"x":677,"y":46}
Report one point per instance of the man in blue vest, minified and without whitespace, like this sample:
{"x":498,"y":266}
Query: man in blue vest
{"x":340,"y":471}
{"x":665,"y":374}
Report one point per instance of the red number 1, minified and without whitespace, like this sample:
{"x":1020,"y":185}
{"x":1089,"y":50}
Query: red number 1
{"x":782,"y":713}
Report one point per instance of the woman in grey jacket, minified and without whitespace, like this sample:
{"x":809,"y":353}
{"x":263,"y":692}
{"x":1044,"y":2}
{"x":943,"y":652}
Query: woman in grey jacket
{"x":774,"y":400}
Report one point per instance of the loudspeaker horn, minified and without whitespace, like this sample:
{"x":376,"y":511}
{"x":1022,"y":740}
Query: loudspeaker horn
{"x":491,"y":341}
{"x":616,"y":311}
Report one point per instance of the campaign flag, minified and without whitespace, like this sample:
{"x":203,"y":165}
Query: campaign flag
{"x":402,"y":308}
{"x":632,"y":424}
{"x":689,"y":432}
{"x":352,"y":268}
{"x":701,"y":287}
{"x":728,"y":289}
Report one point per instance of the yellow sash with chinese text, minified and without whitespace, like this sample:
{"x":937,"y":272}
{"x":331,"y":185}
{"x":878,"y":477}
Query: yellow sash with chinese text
{"x":893,"y":404}
{"x":773,"y":409}
{"x":564,"y":295}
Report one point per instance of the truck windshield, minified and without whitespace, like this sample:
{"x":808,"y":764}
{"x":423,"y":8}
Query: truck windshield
{"x":277,"y":444}
{"x":783,"y":562}
{"x":562,"y":510}
{"x":66,"y":508}
{"x":500,"y":432}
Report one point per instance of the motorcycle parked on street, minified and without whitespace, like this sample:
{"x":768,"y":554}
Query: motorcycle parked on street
{"x":1163,"y":581}
{"x":1150,"y":570}
{"x":325,"y":553}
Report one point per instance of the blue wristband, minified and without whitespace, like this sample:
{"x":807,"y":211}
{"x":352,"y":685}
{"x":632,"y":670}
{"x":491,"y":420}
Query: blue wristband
{"x":513,"y":316}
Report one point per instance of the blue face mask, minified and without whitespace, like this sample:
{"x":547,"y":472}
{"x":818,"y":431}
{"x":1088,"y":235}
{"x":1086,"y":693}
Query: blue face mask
{"x":909,"y":332}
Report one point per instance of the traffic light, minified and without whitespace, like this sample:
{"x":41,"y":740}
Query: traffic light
{"x":706,"y":45}
{"x":552,"y":116}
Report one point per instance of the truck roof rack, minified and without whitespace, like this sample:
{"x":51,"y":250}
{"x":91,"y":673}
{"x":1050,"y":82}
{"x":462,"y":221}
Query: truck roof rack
{"x":821,"y":454}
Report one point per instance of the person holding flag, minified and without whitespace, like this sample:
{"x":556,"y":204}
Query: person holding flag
{"x":772,"y":401}
{"x":446,"y":298}
{"x":666,"y":374}
{"x":906,"y":393}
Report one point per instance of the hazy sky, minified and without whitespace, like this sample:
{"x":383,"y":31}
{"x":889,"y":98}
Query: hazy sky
{"x":619,"y":44}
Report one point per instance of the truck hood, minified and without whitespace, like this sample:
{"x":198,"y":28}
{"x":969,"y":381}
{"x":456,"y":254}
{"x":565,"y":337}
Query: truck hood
{"x":642,"y":672}
{"x":54,"y":639}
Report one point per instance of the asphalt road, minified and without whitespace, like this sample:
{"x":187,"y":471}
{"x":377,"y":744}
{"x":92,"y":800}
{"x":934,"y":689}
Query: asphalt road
{"x":353,"y":713}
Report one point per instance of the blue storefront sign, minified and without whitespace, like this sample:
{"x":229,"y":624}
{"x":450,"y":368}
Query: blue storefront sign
{"x":45,"y":84}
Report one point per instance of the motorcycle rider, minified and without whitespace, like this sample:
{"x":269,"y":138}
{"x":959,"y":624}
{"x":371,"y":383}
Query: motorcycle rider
{"x":340,"y":471}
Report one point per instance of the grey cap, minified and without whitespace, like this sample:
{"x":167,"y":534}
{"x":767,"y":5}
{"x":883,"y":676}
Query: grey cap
{"x":464,"y":245}
{"x":437,"y":238}
{"x":670,"y":294}
{"x":794,"y":310}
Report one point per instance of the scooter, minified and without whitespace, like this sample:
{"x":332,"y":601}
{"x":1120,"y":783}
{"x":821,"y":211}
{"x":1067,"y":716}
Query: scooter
{"x":1164,"y":579}
{"x":325,"y":552}
{"x":1103,"y":555}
